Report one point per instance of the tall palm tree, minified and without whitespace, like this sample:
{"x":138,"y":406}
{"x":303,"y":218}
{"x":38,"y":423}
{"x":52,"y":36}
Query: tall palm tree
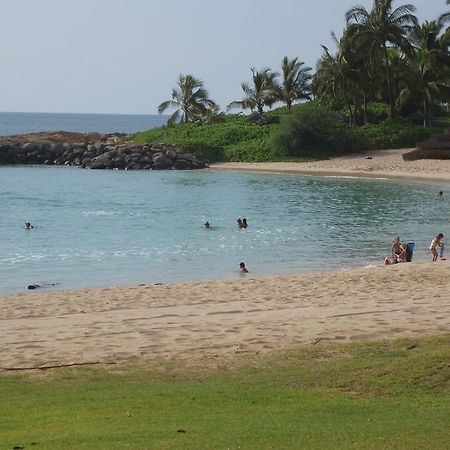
{"x":429,"y":79}
{"x":263,"y":92}
{"x":190,"y":99}
{"x":446,"y":16}
{"x":383,"y":25}
{"x":295,"y":82}
{"x":335,"y":77}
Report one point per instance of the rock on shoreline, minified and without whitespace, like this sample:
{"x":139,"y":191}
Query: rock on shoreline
{"x":94,"y":151}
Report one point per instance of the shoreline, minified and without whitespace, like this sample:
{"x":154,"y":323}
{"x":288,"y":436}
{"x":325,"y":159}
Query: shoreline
{"x":248,"y":315}
{"x":383,"y":164}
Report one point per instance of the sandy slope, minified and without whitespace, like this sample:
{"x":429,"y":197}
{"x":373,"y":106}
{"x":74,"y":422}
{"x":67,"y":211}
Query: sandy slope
{"x":243,"y":315}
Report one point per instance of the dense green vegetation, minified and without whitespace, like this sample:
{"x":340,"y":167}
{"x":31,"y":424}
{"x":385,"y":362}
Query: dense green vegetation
{"x":386,"y":68}
{"x":393,"y":394}
{"x":239,"y":138}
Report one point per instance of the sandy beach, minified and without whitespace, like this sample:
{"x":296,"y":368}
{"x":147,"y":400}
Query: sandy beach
{"x":223,"y":317}
{"x":236,"y":316}
{"x":383,"y":164}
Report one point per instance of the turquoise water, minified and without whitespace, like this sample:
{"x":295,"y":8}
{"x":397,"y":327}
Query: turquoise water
{"x":16,"y":123}
{"x":98,"y":228}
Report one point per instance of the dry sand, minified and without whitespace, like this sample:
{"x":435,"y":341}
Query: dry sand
{"x":237,"y":316}
{"x":384,"y":164}
{"x":223,"y":317}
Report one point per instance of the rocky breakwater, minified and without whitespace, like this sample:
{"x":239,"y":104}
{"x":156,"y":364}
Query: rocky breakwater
{"x":94,"y":151}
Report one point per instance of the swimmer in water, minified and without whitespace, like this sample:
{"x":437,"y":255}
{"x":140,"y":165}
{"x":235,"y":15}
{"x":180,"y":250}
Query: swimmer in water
{"x":242,"y":268}
{"x":28,"y":225}
{"x":207,"y":224}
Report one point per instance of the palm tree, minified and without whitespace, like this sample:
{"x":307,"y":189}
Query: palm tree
{"x":335,"y":78}
{"x":295,"y":83}
{"x":190,"y":98}
{"x":263,"y":92}
{"x":446,"y":16}
{"x":382,"y":25}
{"x":430,"y":73}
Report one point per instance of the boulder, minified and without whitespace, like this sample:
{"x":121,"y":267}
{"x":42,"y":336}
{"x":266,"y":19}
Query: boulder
{"x":161,"y":162}
{"x":182,"y":164}
{"x":171,"y":154}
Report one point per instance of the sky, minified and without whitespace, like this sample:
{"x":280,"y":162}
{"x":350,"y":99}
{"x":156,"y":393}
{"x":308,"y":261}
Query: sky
{"x":124,"y":56}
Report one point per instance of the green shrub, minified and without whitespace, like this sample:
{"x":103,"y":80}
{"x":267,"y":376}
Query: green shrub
{"x":314,"y":133}
{"x":235,"y":138}
{"x":256,"y":150}
{"x":392,"y":134}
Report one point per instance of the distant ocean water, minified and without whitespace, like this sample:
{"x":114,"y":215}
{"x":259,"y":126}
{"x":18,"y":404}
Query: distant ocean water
{"x":17,"y":123}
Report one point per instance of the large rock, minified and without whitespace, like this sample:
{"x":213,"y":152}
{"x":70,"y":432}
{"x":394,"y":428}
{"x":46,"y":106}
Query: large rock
{"x":161,"y":162}
{"x":109,"y":152}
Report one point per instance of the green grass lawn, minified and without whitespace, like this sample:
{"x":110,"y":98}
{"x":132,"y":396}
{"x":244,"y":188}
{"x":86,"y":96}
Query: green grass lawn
{"x":392,"y":394}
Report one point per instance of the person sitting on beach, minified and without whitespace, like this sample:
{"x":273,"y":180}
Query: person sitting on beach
{"x":242,"y":268}
{"x":244,"y":223}
{"x":28,"y":225}
{"x":399,"y":250}
{"x":435,"y":243}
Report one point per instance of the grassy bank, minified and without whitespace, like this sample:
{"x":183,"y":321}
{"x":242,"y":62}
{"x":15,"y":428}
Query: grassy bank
{"x":393,"y":394}
{"x":311,"y":132}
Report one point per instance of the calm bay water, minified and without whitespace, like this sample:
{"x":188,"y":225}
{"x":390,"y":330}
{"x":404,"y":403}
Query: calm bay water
{"x":98,"y":228}
{"x":16,"y":123}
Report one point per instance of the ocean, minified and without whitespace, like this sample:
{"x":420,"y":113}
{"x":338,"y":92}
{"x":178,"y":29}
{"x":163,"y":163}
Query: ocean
{"x":17,"y":123}
{"x":101,"y":228}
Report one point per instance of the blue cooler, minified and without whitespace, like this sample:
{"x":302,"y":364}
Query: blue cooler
{"x":409,"y":251}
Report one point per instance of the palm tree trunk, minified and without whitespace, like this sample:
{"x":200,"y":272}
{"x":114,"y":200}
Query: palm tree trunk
{"x":365,"y":107}
{"x":425,"y":113}
{"x":389,"y":82}
{"x":347,"y":102}
{"x":260,"y":110}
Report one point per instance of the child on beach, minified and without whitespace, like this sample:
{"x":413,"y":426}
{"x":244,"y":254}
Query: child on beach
{"x":435,"y":243}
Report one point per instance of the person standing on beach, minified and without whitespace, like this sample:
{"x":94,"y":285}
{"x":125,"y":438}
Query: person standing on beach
{"x":435,"y":243}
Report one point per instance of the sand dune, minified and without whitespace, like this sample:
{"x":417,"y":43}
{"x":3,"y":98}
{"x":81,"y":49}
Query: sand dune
{"x":223,"y":317}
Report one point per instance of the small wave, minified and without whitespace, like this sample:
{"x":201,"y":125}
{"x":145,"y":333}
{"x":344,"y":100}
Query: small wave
{"x":17,"y":259}
{"x":99,"y":212}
